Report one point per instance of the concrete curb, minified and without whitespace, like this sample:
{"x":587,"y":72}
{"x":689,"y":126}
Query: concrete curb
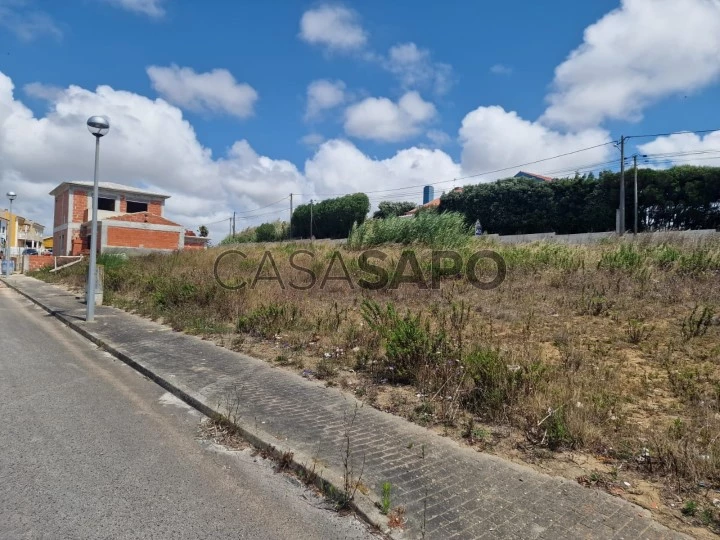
{"x":364,"y":505}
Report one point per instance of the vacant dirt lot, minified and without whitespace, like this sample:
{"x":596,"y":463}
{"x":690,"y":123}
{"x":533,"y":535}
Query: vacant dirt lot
{"x":601,"y":363}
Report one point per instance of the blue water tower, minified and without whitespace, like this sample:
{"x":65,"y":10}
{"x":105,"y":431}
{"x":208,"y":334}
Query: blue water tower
{"x":428,"y":194}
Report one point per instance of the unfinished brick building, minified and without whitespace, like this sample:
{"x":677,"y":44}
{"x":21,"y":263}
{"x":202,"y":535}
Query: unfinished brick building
{"x":130,"y":220}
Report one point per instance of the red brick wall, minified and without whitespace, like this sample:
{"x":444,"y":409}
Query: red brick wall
{"x":143,"y":217}
{"x":77,"y":246}
{"x":79,"y":205}
{"x":123,"y":204}
{"x":155,"y":208}
{"x":194,"y":246}
{"x":39,"y":261}
{"x":141,"y":238}
{"x":61,"y":208}
{"x":59,"y":246}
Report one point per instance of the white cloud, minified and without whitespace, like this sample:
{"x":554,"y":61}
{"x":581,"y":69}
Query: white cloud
{"x":501,"y":69}
{"x":684,"y":149}
{"x":42,"y":91}
{"x":150,"y":144}
{"x":340,"y":167}
{"x":438,"y":137}
{"x":493,"y":138}
{"x":312,"y":139}
{"x":415,"y":68}
{"x":632,"y":57}
{"x":335,"y":27}
{"x":152,"y":8}
{"x":26,"y":22}
{"x":381,"y":119}
{"x":213,"y":91}
{"x":322,"y":95}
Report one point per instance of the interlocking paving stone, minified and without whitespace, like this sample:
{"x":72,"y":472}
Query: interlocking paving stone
{"x":469,"y":494}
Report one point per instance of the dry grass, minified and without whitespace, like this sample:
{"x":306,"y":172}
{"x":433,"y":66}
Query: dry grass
{"x":609,"y":351}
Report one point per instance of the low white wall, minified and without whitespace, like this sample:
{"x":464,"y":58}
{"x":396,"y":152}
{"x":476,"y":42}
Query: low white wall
{"x":593,"y":238}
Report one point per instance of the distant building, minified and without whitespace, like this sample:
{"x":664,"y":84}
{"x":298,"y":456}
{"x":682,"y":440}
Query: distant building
{"x":3,"y":232}
{"x":430,"y":204}
{"x":130,"y":220}
{"x":533,"y":176}
{"x":428,"y":194}
{"x":19,"y":233}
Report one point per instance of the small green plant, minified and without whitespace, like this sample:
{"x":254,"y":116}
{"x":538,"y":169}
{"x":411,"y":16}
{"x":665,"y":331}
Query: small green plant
{"x":689,"y":508}
{"x":698,"y":261}
{"x":706,"y":516}
{"x":625,"y":257}
{"x":677,"y":429}
{"x":497,"y":385}
{"x":282,"y":360}
{"x":268,"y":320}
{"x":386,"y":501}
{"x":665,"y":255}
{"x":284,"y":461}
{"x":557,"y":433}
{"x":325,"y":368}
{"x":351,"y":476}
{"x":697,"y":323}
{"x":594,"y":303}
{"x":636,"y":331}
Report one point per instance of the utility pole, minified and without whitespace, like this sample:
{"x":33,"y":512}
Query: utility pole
{"x":233,"y":225}
{"x":291,"y":208}
{"x":622,"y":186}
{"x":635,"y":206}
{"x":311,"y":218}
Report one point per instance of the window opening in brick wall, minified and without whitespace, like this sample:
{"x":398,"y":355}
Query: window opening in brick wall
{"x":106,"y":204}
{"x":133,"y":207}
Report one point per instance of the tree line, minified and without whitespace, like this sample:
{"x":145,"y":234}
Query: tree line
{"x":331,"y":218}
{"x":685,"y":197}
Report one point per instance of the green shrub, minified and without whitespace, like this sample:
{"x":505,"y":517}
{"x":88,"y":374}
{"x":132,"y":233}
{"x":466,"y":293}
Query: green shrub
{"x":410,"y":345}
{"x":625,"y":256}
{"x":696,"y":324}
{"x":665,"y":255}
{"x":557,"y":433}
{"x":446,"y":230}
{"x":699,"y":260}
{"x":265,"y":233}
{"x":541,"y":255}
{"x":331,"y":218}
{"x":497,"y":386}
{"x":268,"y":320}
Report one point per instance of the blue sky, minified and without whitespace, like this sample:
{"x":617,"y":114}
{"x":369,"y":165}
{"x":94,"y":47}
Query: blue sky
{"x":232,"y":105}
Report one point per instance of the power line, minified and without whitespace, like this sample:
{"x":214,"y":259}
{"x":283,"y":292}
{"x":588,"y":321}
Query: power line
{"x":279,"y":211}
{"x":517,"y":166}
{"x":535,"y":162}
{"x":404,"y":192}
{"x":263,"y":207}
{"x":475,"y":174}
{"x":220,"y":221}
{"x":699,"y":131}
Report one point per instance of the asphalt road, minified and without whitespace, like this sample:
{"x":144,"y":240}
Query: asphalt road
{"x":89,"y":448}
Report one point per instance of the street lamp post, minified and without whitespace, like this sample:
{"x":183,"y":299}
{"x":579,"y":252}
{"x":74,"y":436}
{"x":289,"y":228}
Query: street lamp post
{"x":98,"y":126}
{"x":11,"y":195}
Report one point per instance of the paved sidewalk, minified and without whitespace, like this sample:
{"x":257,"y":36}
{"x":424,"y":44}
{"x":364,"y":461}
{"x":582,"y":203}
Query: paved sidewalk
{"x":469,"y":494}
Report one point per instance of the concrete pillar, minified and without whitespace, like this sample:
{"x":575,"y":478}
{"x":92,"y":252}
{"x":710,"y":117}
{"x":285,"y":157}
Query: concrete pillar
{"x":99,"y":282}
